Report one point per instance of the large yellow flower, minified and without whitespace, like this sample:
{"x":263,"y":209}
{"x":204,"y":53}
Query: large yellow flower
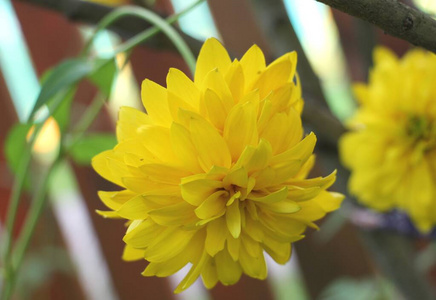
{"x":214,"y":174}
{"x":391,"y":149}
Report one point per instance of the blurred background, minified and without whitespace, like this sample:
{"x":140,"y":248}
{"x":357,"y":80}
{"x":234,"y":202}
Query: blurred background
{"x":76,"y":254}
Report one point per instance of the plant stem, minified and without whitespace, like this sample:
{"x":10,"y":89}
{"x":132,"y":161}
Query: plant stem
{"x":14,"y":200}
{"x":160,"y":25}
{"x":38,"y":201}
{"x":38,"y":204}
{"x":86,"y":120}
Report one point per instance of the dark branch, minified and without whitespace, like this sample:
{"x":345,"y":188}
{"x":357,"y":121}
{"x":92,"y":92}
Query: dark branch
{"x":395,"y":18}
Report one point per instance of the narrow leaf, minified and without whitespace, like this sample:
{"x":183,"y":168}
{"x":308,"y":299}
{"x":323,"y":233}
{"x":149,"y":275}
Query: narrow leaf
{"x":91,"y":145}
{"x":61,"y":77}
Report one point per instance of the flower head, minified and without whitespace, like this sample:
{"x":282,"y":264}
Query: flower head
{"x":214,"y":174}
{"x":391,"y":149}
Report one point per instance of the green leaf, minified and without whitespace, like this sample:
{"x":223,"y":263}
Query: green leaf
{"x":104,"y":75}
{"x":91,"y":145}
{"x":63,"y":113}
{"x":15,"y":145}
{"x":61,"y":77}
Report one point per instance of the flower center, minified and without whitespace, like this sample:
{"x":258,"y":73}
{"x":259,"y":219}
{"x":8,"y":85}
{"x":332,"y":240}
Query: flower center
{"x":421,"y":130}
{"x":236,"y":193}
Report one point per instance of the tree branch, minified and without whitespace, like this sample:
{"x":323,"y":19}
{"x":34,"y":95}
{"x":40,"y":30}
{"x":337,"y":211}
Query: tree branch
{"x":395,"y":18}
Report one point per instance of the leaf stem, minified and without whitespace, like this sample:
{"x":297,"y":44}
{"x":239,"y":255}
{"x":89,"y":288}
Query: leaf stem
{"x":160,"y":25}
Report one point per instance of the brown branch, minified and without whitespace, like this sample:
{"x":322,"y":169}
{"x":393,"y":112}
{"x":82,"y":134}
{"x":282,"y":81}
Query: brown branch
{"x":395,"y":18}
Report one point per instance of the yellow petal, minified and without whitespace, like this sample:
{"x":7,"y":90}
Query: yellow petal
{"x":280,"y":252}
{"x":132,"y":254}
{"x":108,"y":214}
{"x":233,"y":219}
{"x":195,"y":192}
{"x":163,"y":173}
{"x":193,"y":273}
{"x":233,"y":246}
{"x":210,"y":145}
{"x":216,"y":109}
{"x":281,"y":99}
{"x":251,"y":247}
{"x":134,"y":209}
{"x":179,"y":84}
{"x":100,"y":165}
{"x":282,"y":207}
{"x":179,"y":214}
{"x":297,"y":193}
{"x":141,"y":185}
{"x":168,"y":244}
{"x":213,"y":206}
{"x":183,"y":148}
{"x":216,"y":236}
{"x":253,"y":63}
{"x":265,"y":115}
{"x":254,"y":229}
{"x":255,"y":158}
{"x":273,"y":77}
{"x":209,"y":274}
{"x":157,"y":141}
{"x":322,"y":182}
{"x":154,"y":99}
{"x":166,"y":268}
{"x":236,"y":81}
{"x":216,"y":82}
{"x":114,"y":200}
{"x":212,"y":55}
{"x":302,"y":151}
{"x":253,"y":266}
{"x":236,"y":177}
{"x":279,"y":133}
{"x":383,"y":55}
{"x":276,"y":196}
{"x":143,"y":234}
{"x":329,"y":201}
{"x":240,"y":129}
{"x":175,"y":103}
{"x":129,"y":121}
{"x":228,"y":270}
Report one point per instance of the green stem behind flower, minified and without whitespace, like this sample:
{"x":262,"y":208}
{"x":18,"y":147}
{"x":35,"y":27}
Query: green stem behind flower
{"x":160,"y":25}
{"x":15,"y":200}
{"x":38,"y":204}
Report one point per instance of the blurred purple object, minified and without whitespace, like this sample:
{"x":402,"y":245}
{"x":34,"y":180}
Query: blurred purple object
{"x":392,"y":221}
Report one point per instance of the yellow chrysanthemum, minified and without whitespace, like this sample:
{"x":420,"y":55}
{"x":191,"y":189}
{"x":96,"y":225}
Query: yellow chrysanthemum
{"x":391,"y":148}
{"x":214,"y":174}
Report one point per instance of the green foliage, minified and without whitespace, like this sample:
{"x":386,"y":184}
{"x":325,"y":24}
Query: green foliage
{"x":101,"y":72}
{"x":104,"y":75}
{"x":40,"y":266}
{"x":15,"y":145}
{"x":60,"y":78}
{"x":62,"y":114}
{"x":91,"y":145}
{"x":360,"y":289}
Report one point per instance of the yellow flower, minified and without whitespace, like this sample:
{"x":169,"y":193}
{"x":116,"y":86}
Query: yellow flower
{"x":214,"y":174}
{"x":391,"y":148}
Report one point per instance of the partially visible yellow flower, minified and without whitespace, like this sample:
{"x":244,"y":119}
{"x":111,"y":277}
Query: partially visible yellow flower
{"x":427,"y":6}
{"x":214,"y":174}
{"x":391,"y":149}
